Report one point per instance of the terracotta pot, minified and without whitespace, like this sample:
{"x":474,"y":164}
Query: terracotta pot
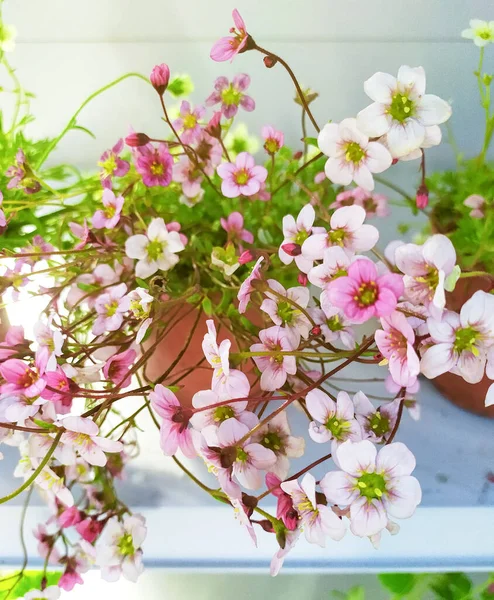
{"x":470,"y":397}
{"x":167,"y":350}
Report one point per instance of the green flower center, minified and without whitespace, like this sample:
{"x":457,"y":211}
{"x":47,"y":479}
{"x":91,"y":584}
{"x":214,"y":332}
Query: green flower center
{"x":484,"y":34}
{"x":190,"y":121}
{"x":272,"y":441}
{"x":111,"y":308}
{"x":367,"y":294}
{"x":154,"y":249}
{"x":110,"y":211}
{"x":378,"y":424}
{"x":241,"y":177}
{"x":305,"y":505}
{"x":301,"y":237}
{"x":401,"y":108}
{"x":286,"y":312}
{"x":109,"y":165}
{"x":334,"y":323}
{"x":242,"y":455}
{"x":271,"y":146}
{"x":126,"y":545}
{"x":222,"y":413}
{"x":336,"y":236}
{"x":354,"y":152}
{"x":231,"y":95}
{"x":137,"y":309}
{"x":465,"y":340}
{"x":371,"y":485}
{"x":337,"y":427}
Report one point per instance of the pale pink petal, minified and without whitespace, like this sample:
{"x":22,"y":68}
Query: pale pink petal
{"x":339,"y":488}
{"x":395,"y":460}
{"x":357,"y":458}
{"x":403,"y":497}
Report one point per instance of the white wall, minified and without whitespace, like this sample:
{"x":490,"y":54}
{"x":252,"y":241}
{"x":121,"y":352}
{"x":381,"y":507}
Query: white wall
{"x":67,"y":49}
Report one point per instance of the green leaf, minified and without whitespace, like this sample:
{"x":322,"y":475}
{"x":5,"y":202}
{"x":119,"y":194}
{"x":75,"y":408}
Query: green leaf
{"x":451,"y":586}
{"x":265,"y":237}
{"x":43,"y":424}
{"x":354,"y":593}
{"x":81,"y":128}
{"x":311,"y":141}
{"x":207,"y":306}
{"x":142,"y":283}
{"x":398,"y":583}
{"x":30,"y":580}
{"x":87,"y":287}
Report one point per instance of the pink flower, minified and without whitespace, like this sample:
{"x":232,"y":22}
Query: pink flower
{"x":335,"y":264}
{"x":117,"y":367}
{"x":160,"y":76}
{"x":69,"y":517}
{"x":248,"y":459}
{"x":283,"y":312}
{"x":89,"y":529}
{"x":349,"y":198}
{"x":243,"y":178}
{"x":476,"y":203}
{"x":422,"y":197}
{"x":69,"y":579}
{"x":21,"y":176}
{"x":209,"y":151}
{"x":234,"y":226}
{"x":110,"y":307}
{"x":226,"y":382}
{"x":22,"y":378}
{"x":278,"y":559}
{"x":231,"y":95}
{"x":110,"y":215}
{"x":82,"y":232}
{"x":136,"y":140}
{"x":296,"y":232}
{"x":276,"y":436}
{"x":187,"y":124}
{"x":174,"y":431}
{"x":82,"y":434}
{"x":284,"y":508}
{"x":363,"y":294}
{"x":376,"y":424}
{"x":186,"y":173}
{"x":273,"y":139}
{"x":213,"y":128}
{"x":154,"y":165}
{"x":14,"y":337}
{"x":333,"y":421}
{"x":395,"y":341}
{"x":334,"y":325}
{"x":246,"y":288}
{"x":347,"y":230}
{"x":461,"y":342}
{"x":426,"y":269}
{"x":275,"y":366}
{"x":227,"y":48}
{"x":112,"y":165}
{"x":375,"y":205}
{"x":374,"y":485}
{"x":60,"y":390}
{"x":3,"y":220}
{"x":317,"y":519}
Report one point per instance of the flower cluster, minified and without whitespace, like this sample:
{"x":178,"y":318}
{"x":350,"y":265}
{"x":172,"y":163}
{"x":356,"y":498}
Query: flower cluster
{"x":225,"y":293}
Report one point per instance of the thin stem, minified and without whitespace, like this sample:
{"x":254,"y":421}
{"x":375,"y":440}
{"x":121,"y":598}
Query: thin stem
{"x":73,"y":119}
{"x":41,"y":466}
{"x":299,"y":170}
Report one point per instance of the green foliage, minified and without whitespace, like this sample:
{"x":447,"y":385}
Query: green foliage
{"x":472,"y":238}
{"x":12,"y":586}
{"x":398,"y":583}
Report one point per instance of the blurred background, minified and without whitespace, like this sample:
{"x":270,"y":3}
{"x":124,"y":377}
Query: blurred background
{"x":66,"y":50}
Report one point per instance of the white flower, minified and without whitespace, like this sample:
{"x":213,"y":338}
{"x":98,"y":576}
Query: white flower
{"x":461,"y":341}
{"x":156,"y":250}
{"x":295,"y":232}
{"x":401,"y":110}
{"x":7,"y":37}
{"x":119,"y":548}
{"x":351,"y":156}
{"x":481,"y":32}
{"x":52,"y":592}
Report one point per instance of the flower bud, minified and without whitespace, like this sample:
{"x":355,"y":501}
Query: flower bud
{"x":266,"y":525}
{"x":246,"y":257}
{"x":302,"y":279}
{"x":160,"y":76}
{"x":134,"y":140}
{"x":316,"y":330}
{"x":270,"y":61}
{"x":292,"y":249}
{"x":394,"y":161}
{"x":422,"y":197}
{"x":214,"y":126}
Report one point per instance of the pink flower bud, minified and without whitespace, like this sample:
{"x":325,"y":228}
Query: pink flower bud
{"x":302,"y":279}
{"x":394,"y":161}
{"x":245,"y":257}
{"x":134,"y":140}
{"x":160,"y":76}
{"x":316,"y":330}
{"x":292,"y":249}
{"x":422,"y":197}
{"x":270,"y":61}
{"x":69,"y":517}
{"x":214,"y":125}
